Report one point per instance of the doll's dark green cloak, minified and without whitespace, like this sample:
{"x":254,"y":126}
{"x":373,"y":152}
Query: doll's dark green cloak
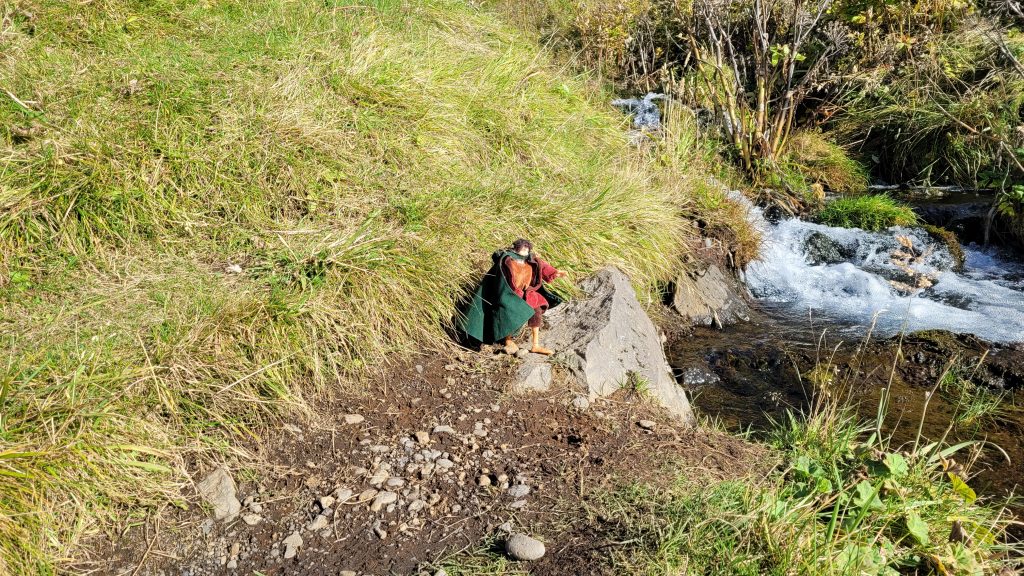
{"x":495,"y":310}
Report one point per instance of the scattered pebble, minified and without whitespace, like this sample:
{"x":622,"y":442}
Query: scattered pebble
{"x":378,"y":477}
{"x":326,"y":502}
{"x":484,"y":480}
{"x":444,"y":429}
{"x":353,"y":419}
{"x":342,"y":495}
{"x":292,"y":544}
{"x":422,"y":437}
{"x":580,"y":403}
{"x":383,"y":499}
{"x":647,"y":424}
{"x":251,"y":519}
{"x":523,"y":547}
{"x":318,"y":523}
{"x":518,"y":491}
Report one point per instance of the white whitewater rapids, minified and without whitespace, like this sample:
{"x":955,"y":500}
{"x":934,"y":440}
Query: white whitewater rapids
{"x":852,"y":277}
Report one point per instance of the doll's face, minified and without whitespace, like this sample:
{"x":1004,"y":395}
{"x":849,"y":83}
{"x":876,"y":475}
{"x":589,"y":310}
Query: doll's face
{"x":524,"y":251}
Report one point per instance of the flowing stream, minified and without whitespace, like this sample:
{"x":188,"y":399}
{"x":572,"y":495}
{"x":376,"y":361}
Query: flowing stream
{"x":821,"y":291}
{"x":851,"y":277}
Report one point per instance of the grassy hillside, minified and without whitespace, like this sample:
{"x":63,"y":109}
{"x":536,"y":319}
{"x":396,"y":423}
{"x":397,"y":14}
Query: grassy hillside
{"x":210,"y":210}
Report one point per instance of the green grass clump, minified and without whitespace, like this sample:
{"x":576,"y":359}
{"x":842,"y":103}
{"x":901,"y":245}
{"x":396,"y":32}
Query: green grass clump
{"x":821,"y":161}
{"x":869,"y":212}
{"x":846,"y":503}
{"x":211,"y":210}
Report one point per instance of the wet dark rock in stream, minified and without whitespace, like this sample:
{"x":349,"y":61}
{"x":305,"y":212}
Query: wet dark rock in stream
{"x":709,"y":296}
{"x":821,"y":249}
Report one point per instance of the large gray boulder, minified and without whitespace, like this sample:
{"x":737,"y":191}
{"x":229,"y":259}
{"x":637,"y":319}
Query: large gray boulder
{"x":709,"y":297}
{"x":607,"y":340}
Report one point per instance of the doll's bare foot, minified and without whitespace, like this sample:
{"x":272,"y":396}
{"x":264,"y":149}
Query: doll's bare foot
{"x":537,"y":348}
{"x":511,"y":348}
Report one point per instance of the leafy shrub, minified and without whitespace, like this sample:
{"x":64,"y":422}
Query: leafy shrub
{"x":868,"y":212}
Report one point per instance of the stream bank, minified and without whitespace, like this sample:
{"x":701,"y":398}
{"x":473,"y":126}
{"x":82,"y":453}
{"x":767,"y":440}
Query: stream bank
{"x":853,"y":313}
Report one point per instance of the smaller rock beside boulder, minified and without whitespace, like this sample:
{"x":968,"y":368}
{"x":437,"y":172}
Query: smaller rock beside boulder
{"x":218,"y":490}
{"x":524,"y":548}
{"x":710,"y":298}
{"x":534,"y":375}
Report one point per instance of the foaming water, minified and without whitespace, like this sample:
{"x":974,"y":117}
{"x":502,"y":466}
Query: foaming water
{"x":850,"y":276}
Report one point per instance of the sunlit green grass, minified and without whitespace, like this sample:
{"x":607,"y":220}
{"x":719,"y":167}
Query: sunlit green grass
{"x":357,"y":161}
{"x":868,"y":212}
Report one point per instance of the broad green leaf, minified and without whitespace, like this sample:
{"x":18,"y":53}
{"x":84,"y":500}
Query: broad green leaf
{"x":866,"y":496}
{"x":896,"y":464}
{"x":917,"y":528}
{"x":961,"y":488}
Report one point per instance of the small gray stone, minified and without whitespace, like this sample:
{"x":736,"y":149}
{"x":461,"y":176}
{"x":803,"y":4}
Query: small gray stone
{"x":218,"y":490}
{"x":292,"y":545}
{"x":534,"y":375}
{"x":382,"y":500}
{"x":378,"y":477}
{"x":395,"y":482}
{"x":318,"y":523}
{"x":422,"y":437}
{"x":251,"y":519}
{"x":647,"y":424}
{"x":444,"y":463}
{"x":443,"y":429}
{"x":342,"y":495}
{"x":525,"y":548}
{"x":353,"y":419}
{"x":518,"y":491}
{"x":326,"y":502}
{"x":580,"y":403}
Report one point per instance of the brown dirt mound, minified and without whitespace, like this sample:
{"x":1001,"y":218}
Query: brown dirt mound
{"x":561,"y":453}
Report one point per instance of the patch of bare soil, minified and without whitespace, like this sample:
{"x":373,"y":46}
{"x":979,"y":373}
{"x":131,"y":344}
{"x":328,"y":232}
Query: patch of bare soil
{"x":443,"y":456}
